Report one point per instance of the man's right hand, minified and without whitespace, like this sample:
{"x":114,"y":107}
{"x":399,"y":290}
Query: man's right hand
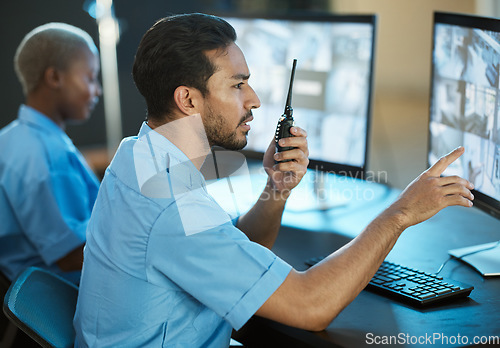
{"x":429,"y":192}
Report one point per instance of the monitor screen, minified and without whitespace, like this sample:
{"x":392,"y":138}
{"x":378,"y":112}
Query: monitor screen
{"x":464,"y":102}
{"x":332,"y":88}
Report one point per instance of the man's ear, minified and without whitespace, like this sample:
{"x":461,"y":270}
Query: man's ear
{"x":52,"y":77}
{"x":188,"y":100}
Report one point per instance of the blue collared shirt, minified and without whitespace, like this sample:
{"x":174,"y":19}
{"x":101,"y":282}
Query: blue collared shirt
{"x":164,"y":264}
{"x":47,"y":192}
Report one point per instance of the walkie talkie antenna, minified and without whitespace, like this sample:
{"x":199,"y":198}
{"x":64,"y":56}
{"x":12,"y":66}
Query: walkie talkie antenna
{"x":286,"y":122}
{"x":288,"y":105}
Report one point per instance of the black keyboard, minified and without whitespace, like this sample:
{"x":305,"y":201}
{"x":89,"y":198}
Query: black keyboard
{"x":411,"y":286}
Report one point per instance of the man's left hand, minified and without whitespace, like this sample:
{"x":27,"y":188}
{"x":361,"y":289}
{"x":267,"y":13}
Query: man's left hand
{"x":284,"y":176}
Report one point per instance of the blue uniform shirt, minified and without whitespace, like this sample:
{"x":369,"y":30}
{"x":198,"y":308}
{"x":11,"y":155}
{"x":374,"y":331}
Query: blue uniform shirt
{"x":47,"y":193}
{"x":164,"y":264}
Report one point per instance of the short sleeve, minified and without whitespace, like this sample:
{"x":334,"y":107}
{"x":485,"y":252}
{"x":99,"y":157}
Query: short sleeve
{"x":74,"y":203}
{"x":220,"y":267}
{"x":38,"y":214}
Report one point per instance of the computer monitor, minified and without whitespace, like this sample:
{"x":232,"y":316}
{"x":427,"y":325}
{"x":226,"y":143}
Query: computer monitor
{"x":465,"y":105}
{"x":332,"y":89}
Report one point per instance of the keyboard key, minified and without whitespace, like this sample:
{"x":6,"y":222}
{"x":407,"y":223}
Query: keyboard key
{"x":442,"y":291}
{"x":383,"y":278}
{"x":393,"y":277}
{"x":426,"y":295}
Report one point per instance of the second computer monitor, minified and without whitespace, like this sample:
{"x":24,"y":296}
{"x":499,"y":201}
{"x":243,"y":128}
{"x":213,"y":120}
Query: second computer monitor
{"x":465,"y":104}
{"x":332,"y":90}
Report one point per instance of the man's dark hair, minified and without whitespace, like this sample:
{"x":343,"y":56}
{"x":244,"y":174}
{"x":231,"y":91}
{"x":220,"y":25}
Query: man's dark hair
{"x":171,"y":54}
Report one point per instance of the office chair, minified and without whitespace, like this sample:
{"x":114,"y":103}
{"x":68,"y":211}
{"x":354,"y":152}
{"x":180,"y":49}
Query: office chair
{"x":43,"y":304}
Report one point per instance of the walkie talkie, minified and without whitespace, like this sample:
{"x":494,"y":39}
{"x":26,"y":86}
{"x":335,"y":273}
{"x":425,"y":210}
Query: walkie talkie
{"x":286,"y":120}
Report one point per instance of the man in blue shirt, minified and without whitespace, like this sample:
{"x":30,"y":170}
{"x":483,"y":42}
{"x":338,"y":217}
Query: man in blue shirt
{"x":164,"y":264}
{"x":47,"y":190}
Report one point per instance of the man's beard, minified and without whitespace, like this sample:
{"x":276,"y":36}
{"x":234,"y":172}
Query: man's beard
{"x":219,"y":132}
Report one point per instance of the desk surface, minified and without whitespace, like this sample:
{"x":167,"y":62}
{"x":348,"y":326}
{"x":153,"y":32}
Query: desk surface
{"x":372,"y":317}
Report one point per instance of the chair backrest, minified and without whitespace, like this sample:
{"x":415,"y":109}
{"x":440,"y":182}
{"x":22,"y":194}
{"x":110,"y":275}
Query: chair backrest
{"x":43,"y":304}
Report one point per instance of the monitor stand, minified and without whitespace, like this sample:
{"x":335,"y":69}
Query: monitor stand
{"x":485,"y":258}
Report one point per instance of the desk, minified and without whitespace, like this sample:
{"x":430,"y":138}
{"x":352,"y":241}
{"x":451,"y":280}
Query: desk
{"x":425,"y":246}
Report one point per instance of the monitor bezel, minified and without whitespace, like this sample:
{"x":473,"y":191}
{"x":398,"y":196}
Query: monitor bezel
{"x":317,"y":164}
{"x":482,"y":201}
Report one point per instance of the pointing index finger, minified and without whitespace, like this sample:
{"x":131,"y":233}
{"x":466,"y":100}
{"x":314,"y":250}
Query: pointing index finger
{"x":440,"y":166}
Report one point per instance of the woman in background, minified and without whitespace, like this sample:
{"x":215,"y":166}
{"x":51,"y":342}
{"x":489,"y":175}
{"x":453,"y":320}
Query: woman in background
{"x":47,"y":190}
